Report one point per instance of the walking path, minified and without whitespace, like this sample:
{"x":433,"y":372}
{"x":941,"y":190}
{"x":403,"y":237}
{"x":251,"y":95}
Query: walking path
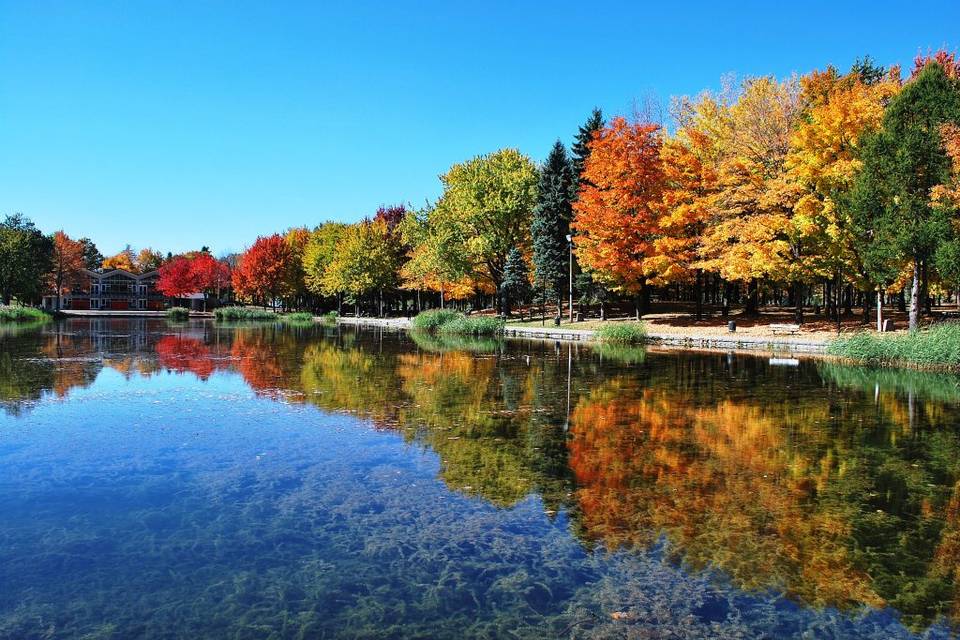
{"x":687,"y":338}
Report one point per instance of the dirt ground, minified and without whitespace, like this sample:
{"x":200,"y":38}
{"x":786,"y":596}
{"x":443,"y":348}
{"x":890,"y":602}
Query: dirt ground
{"x":680,"y":321}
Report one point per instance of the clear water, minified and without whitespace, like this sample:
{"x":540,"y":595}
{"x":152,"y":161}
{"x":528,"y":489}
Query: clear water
{"x":195,"y":481}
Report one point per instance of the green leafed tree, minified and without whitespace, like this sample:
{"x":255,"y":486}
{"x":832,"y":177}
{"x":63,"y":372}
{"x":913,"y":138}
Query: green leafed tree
{"x":902,"y":163}
{"x":488,"y":201}
{"x":26,"y":257}
{"x":551,"y":224}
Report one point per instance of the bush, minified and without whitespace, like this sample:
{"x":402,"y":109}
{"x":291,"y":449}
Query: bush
{"x":622,"y":333}
{"x":329,"y":317}
{"x":23,"y":314}
{"x":938,"y":346}
{"x":434,"y":319}
{"x":473,"y":326}
{"x":243,"y":313}
{"x":300,"y":317}
{"x":178,"y":313}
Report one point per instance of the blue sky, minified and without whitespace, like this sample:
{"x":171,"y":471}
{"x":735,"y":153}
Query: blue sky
{"x":181,"y":124}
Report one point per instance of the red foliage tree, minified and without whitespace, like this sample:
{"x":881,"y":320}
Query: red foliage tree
{"x":177,"y":278}
{"x":262,"y":270}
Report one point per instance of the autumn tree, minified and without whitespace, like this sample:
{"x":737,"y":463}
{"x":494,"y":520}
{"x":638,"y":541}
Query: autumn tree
{"x":436,"y":259}
{"x":551,"y":224}
{"x":148,"y":260}
{"x":904,"y":163}
{"x":616,"y":215}
{"x":262,"y":271}
{"x":177,"y":278}
{"x":318,"y":254}
{"x":296,"y":285}
{"x":67,"y":265}
{"x":488,"y":202}
{"x":125,"y":260}
{"x":364,"y":262}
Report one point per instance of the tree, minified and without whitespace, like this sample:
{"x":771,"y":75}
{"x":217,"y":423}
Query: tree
{"x":125,"y":260}
{"x":177,"y":278}
{"x":148,"y":260}
{"x":25,"y":259}
{"x":296,"y":284}
{"x":904,"y":163}
{"x":364,"y":262}
{"x":488,"y":201}
{"x":92,"y":258}
{"x":516,"y":280}
{"x":67,"y":265}
{"x":617,"y":213}
{"x":551,"y":224}
{"x":750,"y":235}
{"x":581,"y":143}
{"x":262,"y":271}
{"x":436,"y":259}
{"x":318,"y":254}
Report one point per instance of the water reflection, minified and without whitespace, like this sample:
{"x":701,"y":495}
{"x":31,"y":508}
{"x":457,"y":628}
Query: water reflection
{"x":837,"y":487}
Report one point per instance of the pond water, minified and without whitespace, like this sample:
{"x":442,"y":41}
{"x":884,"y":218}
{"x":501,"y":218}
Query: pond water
{"x":198,"y":481}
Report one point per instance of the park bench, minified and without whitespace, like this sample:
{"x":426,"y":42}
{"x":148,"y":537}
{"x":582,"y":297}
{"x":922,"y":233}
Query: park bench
{"x":781,"y":329}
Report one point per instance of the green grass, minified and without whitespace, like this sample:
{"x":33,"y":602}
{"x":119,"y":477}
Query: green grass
{"x":435,"y":318}
{"x":936,"y":347}
{"x":23,"y":314}
{"x":233,"y":314}
{"x":473,"y":326}
{"x":329,"y":317}
{"x":299,"y":317}
{"x":178,"y":313}
{"x":622,"y":333}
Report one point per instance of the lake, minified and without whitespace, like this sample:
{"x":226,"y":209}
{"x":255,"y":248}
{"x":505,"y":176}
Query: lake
{"x":163,"y":480}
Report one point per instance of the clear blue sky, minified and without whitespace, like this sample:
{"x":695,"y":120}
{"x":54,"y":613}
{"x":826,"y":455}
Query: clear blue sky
{"x":181,"y":124}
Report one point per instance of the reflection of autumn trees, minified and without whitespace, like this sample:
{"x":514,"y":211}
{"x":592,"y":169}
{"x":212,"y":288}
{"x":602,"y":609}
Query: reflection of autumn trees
{"x":185,"y":354}
{"x":799,"y":494}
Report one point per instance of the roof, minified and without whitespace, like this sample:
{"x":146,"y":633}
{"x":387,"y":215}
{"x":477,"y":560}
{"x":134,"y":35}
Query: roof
{"x":120,"y":272}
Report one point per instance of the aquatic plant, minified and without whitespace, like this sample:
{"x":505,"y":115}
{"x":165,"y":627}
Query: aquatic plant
{"x":936,"y":347}
{"x":22,"y":314}
{"x":433,"y":319}
{"x":243,"y":313}
{"x":178,"y":313}
{"x":329,"y":317}
{"x":299,"y":317}
{"x":622,"y":333}
{"x":473,"y":326}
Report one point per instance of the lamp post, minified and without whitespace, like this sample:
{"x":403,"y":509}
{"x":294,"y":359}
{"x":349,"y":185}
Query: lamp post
{"x":570,"y":278}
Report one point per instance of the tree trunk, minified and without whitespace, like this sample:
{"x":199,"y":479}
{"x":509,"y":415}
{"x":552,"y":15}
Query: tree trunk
{"x":915,"y":297}
{"x":879,"y":310}
{"x":798,"y":293}
{"x":753,"y":293}
{"x":603,"y":310}
{"x":699,"y":294}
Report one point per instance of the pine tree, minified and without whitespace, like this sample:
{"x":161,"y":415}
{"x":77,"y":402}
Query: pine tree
{"x":581,"y":148}
{"x":516,"y":280}
{"x":551,"y":225}
{"x":902,"y":164}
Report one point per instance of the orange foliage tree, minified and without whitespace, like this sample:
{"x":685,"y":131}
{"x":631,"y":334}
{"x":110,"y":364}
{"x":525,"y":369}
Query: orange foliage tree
{"x":68,"y":264}
{"x":262,"y":271}
{"x":616,"y":217}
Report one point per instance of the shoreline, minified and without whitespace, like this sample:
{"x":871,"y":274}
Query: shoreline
{"x":691,"y":341}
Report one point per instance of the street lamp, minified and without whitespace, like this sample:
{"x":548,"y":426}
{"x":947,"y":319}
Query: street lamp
{"x":570,"y":279}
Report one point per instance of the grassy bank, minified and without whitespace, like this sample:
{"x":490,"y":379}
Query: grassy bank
{"x":234,"y":314}
{"x":178,"y":313}
{"x":299,"y":317}
{"x":936,"y":348}
{"x":23,"y":314}
{"x":448,"y":322}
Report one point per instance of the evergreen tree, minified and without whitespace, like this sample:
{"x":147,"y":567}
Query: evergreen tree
{"x":551,"y":225}
{"x":516,"y":280}
{"x":92,"y":258}
{"x":902,"y":163}
{"x":581,"y":148}
{"x":26,"y":257}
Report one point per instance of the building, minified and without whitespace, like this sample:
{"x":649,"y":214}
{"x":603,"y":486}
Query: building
{"x":115,"y":290}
